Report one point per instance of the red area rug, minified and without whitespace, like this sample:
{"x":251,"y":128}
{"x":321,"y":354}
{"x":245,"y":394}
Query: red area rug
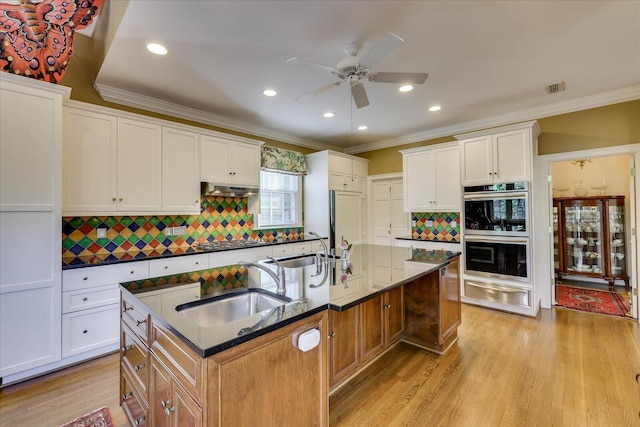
{"x":98,"y":418}
{"x":611,"y":303}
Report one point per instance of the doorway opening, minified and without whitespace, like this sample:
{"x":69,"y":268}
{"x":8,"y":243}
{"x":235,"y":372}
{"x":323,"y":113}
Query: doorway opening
{"x":592,"y":209}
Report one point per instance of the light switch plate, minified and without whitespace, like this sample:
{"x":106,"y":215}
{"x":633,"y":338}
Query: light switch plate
{"x":177,"y":231}
{"x":454,"y":224}
{"x":168,"y":231}
{"x":102,"y":233}
{"x":428,"y":223}
{"x":414,"y":222}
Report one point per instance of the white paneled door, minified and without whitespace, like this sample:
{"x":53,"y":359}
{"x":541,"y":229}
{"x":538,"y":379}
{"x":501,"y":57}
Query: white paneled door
{"x":388,"y":220}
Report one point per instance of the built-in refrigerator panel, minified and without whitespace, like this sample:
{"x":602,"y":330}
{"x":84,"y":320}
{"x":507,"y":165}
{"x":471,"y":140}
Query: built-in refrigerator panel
{"x":344,"y":218}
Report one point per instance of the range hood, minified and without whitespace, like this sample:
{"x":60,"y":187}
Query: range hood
{"x":215,"y":190}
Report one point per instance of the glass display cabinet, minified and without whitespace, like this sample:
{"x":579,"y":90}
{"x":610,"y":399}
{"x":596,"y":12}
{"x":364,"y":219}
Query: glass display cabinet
{"x":589,"y":238}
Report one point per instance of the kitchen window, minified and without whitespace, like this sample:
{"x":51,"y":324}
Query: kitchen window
{"x":280,"y":200}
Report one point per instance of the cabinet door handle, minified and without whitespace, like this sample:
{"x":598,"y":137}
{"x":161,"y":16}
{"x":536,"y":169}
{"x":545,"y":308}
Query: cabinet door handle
{"x":120,"y":199}
{"x":168,"y":411}
{"x":131,"y":272}
{"x":331,"y":335}
{"x":113,"y":199}
{"x":140,"y":322}
{"x":138,"y":367}
{"x":125,"y":308}
{"x":138,"y":421}
{"x":126,"y":348}
{"x":166,"y":266}
{"x":165,"y":403}
{"x":125,"y":396}
{"x":84,"y":331}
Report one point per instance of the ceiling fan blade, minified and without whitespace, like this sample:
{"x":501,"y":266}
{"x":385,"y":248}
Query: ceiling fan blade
{"x":328,"y":68}
{"x":408,"y":78}
{"x":359,"y":95}
{"x":319,"y":90}
{"x":380,"y":50}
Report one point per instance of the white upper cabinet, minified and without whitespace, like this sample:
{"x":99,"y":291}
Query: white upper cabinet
{"x":180,"y":176}
{"x":226,"y":161}
{"x":431,"y":178}
{"x":498,"y":155}
{"x":139,"y":166}
{"x":345,"y":173}
{"x":89,"y":162}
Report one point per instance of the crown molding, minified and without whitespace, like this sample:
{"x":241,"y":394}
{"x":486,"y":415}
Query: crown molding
{"x":593,"y":101}
{"x":132,"y":99}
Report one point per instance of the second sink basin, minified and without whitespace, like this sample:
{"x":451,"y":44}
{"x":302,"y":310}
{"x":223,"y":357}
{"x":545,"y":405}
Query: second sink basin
{"x":230,"y":307}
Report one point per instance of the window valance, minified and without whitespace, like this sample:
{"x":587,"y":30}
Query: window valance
{"x":283,"y":161}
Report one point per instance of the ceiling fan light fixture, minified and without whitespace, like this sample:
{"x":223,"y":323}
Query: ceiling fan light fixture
{"x":157,"y":49}
{"x":406,"y":88}
{"x":434,"y":108}
{"x":269,"y":92}
{"x":328,"y":115}
{"x":362,"y":127}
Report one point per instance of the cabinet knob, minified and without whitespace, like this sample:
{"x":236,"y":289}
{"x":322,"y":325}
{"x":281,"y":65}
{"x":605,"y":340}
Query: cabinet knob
{"x":120,"y":199}
{"x":125,"y":396}
{"x":138,"y":367}
{"x":85,"y":278}
{"x":85,"y":299}
{"x":126,"y":348}
{"x":197,"y":262}
{"x":165,"y":403}
{"x":113,"y":199}
{"x":131,"y":272}
{"x":85,"y":331}
{"x":168,"y":411}
{"x":166,"y":266}
{"x":125,"y":308}
{"x":331,"y":335}
{"x":140,"y":322}
{"x":138,"y":421}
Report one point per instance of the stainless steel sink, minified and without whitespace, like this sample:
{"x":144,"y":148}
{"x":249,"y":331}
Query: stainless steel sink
{"x":231,"y":307}
{"x":300,"y":261}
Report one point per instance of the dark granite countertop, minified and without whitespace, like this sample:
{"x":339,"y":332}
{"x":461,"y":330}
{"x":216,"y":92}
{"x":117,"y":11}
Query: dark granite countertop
{"x":369,"y":271}
{"x":417,"y":239}
{"x":120,"y":257}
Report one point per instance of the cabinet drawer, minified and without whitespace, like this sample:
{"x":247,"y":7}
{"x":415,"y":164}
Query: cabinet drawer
{"x":90,"y":298}
{"x":282,"y":250}
{"x":503,"y":294}
{"x":302,"y":248}
{"x":132,"y":404}
{"x":136,"y":317}
{"x":135,"y":357}
{"x":82,"y":278}
{"x":183,"y":264}
{"x":89,"y":329}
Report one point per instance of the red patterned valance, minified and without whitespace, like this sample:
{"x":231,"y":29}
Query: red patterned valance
{"x":36,"y":38}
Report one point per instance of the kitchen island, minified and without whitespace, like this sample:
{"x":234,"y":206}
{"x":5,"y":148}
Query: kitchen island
{"x":276,"y":365}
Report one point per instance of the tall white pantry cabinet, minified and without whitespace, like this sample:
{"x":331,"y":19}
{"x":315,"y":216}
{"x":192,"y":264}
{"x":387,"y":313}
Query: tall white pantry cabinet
{"x":30,"y":222}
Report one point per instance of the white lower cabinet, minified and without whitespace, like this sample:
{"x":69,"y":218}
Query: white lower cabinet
{"x":90,"y":329}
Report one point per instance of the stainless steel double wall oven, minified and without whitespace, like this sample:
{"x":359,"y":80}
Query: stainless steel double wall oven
{"x":496,"y":240}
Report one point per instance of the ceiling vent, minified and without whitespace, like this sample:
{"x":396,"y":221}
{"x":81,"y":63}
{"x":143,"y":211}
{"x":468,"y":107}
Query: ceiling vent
{"x":555,"y":87}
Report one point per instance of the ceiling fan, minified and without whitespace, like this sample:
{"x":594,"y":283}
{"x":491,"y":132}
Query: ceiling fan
{"x":356,"y":69}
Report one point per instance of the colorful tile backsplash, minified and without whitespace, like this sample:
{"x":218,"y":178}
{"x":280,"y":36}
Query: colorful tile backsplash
{"x":440,"y":229}
{"x":221,"y":218}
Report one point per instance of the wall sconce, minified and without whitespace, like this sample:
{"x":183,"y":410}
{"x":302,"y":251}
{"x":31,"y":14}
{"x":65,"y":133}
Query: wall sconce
{"x":580,"y":162}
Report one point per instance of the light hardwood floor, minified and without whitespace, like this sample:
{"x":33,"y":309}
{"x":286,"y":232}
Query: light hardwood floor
{"x":566,"y":368}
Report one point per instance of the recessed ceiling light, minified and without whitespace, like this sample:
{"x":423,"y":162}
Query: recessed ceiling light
{"x":406,"y":88}
{"x":435,"y":108}
{"x":328,"y":115}
{"x":156,"y":48}
{"x":362,"y":127}
{"x":269,"y":92}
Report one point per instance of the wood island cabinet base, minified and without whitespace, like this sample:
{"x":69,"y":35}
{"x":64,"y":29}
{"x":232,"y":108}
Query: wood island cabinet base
{"x":440,"y":348}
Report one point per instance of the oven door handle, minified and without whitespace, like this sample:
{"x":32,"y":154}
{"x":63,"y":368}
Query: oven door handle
{"x":493,"y":196}
{"x":498,"y":288}
{"x":488,"y":239}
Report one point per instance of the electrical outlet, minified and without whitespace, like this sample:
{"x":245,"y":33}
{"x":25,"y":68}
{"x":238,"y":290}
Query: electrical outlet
{"x":454,"y":224}
{"x":414,"y":223}
{"x":428,"y":223}
{"x":168,"y":231}
{"x":102,"y":233}
{"x":178,"y":231}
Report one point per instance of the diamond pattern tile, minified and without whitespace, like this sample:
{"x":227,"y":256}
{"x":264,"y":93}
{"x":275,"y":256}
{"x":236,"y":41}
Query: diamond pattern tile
{"x":440,"y":230}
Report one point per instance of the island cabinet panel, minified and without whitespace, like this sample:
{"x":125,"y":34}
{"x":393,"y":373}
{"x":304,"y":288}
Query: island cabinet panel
{"x":344,"y":337}
{"x":171,"y":406}
{"x":432,"y":309}
{"x":372,"y":337}
{"x":394,"y":317}
{"x":269,"y":381}
{"x":134,"y":406}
